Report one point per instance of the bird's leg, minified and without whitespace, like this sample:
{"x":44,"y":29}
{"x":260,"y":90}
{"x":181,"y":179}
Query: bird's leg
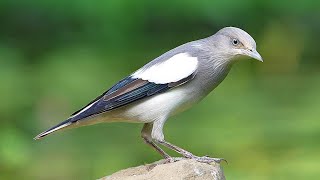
{"x":189,"y":155}
{"x":158,"y":137}
{"x":146,"y":136}
{"x":157,"y":148}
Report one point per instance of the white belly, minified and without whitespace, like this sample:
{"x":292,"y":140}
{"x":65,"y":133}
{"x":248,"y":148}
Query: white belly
{"x":158,"y":106}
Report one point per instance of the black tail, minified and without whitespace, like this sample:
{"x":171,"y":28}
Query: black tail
{"x":60,"y":126}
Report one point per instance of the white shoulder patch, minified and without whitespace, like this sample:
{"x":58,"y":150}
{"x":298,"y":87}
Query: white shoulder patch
{"x":173,"y":69}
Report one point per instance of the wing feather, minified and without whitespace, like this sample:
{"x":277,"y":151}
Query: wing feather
{"x":148,"y":81}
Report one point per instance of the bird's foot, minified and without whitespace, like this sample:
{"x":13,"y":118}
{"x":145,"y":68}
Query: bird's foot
{"x":205,"y":159}
{"x":209,"y":160}
{"x":169,"y":160}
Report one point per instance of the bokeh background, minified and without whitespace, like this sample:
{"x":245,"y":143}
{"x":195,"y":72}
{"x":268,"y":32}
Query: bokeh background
{"x":57,"y":55}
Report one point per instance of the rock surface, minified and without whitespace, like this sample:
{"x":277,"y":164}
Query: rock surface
{"x":183,"y":169}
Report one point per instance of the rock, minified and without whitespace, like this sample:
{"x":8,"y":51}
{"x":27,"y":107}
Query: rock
{"x":187,"y":169}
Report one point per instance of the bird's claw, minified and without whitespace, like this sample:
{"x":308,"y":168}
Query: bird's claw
{"x":207,"y":159}
{"x":169,"y":160}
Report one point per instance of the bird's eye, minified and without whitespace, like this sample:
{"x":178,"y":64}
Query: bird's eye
{"x":235,"y":42}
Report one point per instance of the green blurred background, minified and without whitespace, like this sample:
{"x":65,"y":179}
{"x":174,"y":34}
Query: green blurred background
{"x":57,"y":55}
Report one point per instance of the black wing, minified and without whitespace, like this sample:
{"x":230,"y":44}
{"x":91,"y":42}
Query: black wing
{"x":124,"y":92}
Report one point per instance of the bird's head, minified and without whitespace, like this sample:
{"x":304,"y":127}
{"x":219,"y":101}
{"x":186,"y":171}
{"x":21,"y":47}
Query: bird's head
{"x":237,"y":43}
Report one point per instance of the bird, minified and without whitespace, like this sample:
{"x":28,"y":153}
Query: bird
{"x":166,"y":86}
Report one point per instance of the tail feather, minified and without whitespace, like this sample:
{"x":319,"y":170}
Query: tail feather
{"x":53,"y":129}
